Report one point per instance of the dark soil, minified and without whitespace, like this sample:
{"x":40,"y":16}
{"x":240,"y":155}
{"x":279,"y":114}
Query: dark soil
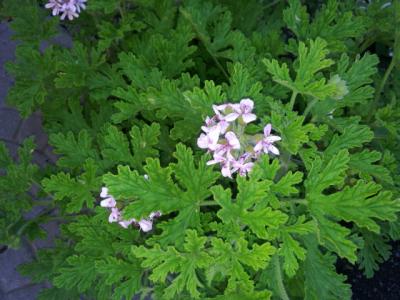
{"x":385,"y":285}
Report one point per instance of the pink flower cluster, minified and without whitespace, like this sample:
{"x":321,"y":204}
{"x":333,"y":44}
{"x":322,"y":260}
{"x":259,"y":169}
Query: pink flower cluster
{"x":224,"y":136}
{"x":116,"y":216}
{"x":67,"y":8}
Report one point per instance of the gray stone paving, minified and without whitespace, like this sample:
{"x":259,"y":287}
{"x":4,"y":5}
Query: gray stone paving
{"x":13,"y":130}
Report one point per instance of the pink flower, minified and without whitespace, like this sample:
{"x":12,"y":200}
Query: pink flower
{"x":55,"y":6}
{"x":126,"y":223}
{"x":80,"y":4}
{"x":243,"y":109}
{"x":109,"y":201}
{"x":232,"y":142}
{"x":209,"y":140}
{"x":266,"y":144}
{"x":155,"y":215}
{"x":69,"y":10}
{"x":146,"y":225}
{"x":242,"y":166}
{"x":115,"y":215}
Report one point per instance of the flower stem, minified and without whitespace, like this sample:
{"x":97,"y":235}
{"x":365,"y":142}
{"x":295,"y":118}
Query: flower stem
{"x":309,"y":106}
{"x":278,"y":276}
{"x":378,"y":92}
{"x":292,"y":100}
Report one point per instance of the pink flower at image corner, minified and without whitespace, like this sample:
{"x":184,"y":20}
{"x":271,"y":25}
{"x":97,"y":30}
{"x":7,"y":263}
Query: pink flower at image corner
{"x":116,"y":216}
{"x":67,"y":8}
{"x":224,"y":136}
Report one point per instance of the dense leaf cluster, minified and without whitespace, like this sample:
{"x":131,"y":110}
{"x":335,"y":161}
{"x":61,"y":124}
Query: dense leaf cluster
{"x":128,"y":98}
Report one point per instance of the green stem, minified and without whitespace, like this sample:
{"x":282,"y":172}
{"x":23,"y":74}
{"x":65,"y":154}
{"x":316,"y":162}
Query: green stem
{"x":378,"y":92}
{"x":308,"y":108}
{"x":209,"y":203}
{"x":281,"y":287}
{"x":292,"y":100}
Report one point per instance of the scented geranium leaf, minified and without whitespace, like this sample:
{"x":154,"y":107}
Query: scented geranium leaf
{"x":115,"y":270}
{"x":79,"y":273}
{"x":231,"y":259}
{"x":187,"y":109}
{"x":33,"y":73}
{"x":171,"y":51}
{"x":353,"y":136}
{"x":131,"y":105}
{"x":141,"y":78}
{"x":103,"y":82}
{"x":212,"y":25}
{"x":290,"y":248}
{"x":321,"y":279}
{"x":357,"y":77}
{"x":323,"y":176}
{"x":30,"y":23}
{"x":157,"y":193}
{"x":285,"y":185}
{"x":320,"y":177}
{"x":77,"y":65}
{"x":75,"y":149}
{"x":361,"y":204}
{"x":144,"y":142}
{"x":329,"y":23}
{"x":292,"y":131}
{"x":243,"y":84}
{"x":104,"y":6}
{"x":251,"y":192}
{"x":376,"y":250}
{"x":310,"y":61}
{"x":265,"y":168}
{"x":336,"y":238}
{"x":296,"y":18}
{"x":116,"y":147}
{"x":196,"y":180}
{"x":185,"y":264}
{"x":362,"y":163}
{"x":74,"y":192}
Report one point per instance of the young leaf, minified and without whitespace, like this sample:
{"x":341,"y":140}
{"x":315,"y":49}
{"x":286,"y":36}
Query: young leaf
{"x":75,"y":149}
{"x":231,"y":259}
{"x":185,"y":264}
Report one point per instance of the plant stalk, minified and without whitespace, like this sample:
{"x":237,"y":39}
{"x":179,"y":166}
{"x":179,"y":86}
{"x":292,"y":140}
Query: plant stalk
{"x":281,"y":287}
{"x":292,"y":100}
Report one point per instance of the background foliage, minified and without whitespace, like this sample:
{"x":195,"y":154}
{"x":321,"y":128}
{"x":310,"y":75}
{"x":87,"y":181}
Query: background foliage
{"x":128,"y":99}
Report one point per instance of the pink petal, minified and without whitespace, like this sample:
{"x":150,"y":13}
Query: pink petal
{"x":247,"y":118}
{"x":104,"y":192}
{"x":267,"y":129}
{"x":231,"y":117}
{"x":202,"y":141}
{"x":273,"y":149}
{"x":109,"y":202}
{"x":232,"y":140}
{"x":258,"y":147}
{"x":246,"y":105}
{"x":272,"y":138}
{"x":145,"y":225}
